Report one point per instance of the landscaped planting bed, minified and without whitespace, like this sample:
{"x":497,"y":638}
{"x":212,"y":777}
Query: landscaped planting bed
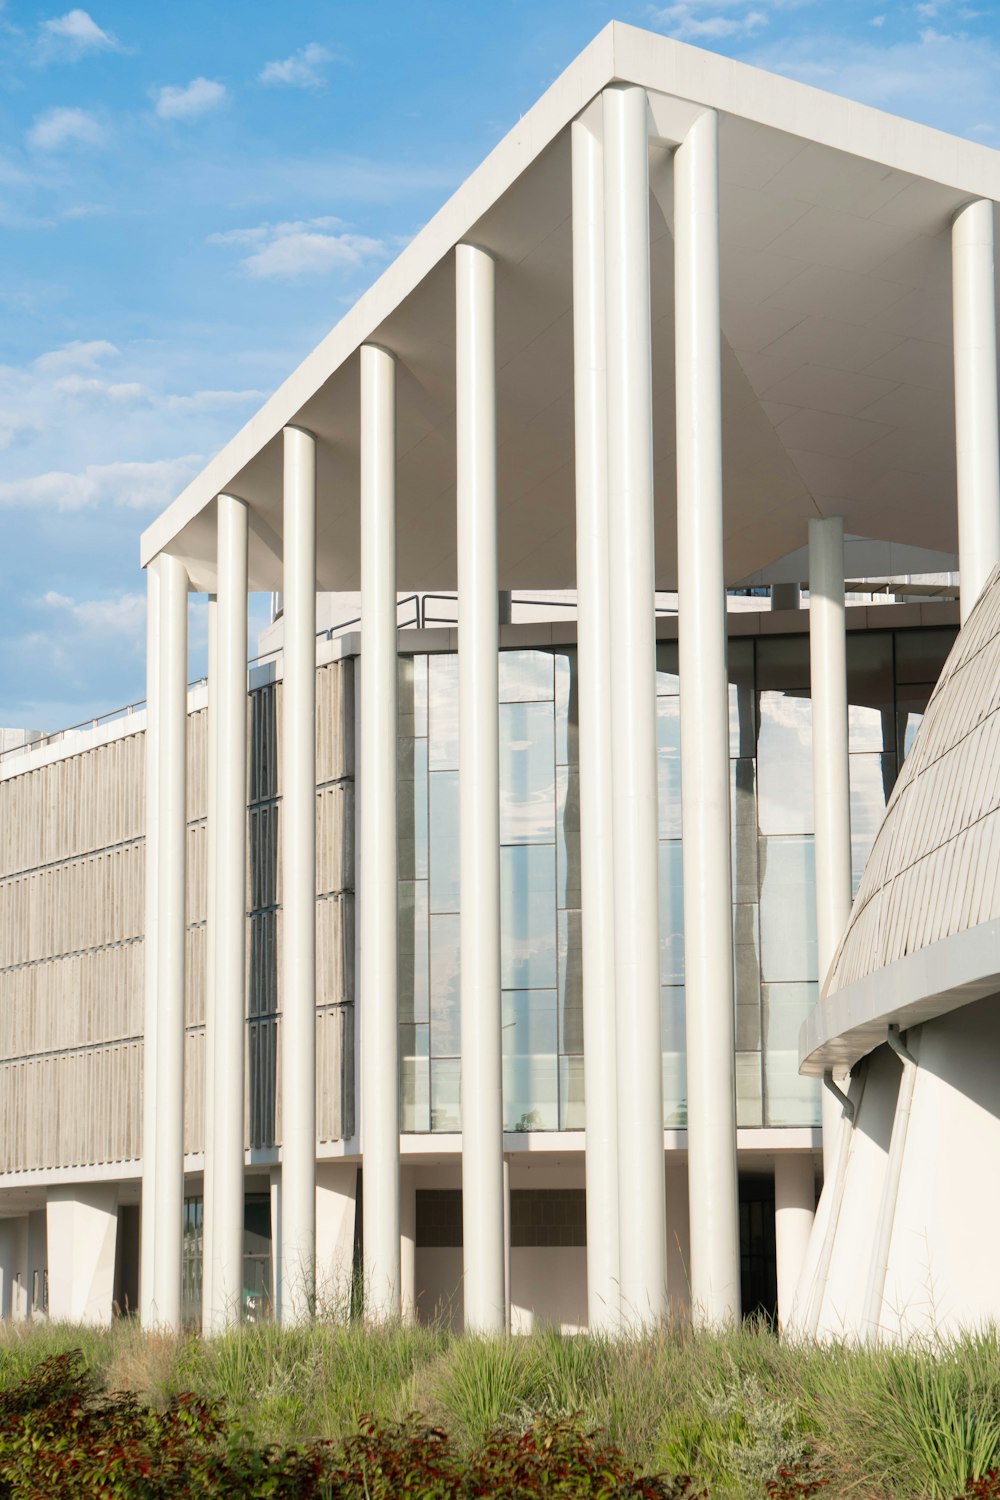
{"x":335,"y":1411}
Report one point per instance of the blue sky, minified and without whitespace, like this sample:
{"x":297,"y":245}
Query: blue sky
{"x":191,"y":194}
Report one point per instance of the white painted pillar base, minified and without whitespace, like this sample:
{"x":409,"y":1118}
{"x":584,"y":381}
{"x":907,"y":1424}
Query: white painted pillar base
{"x":479,"y":794}
{"x":298,"y":851}
{"x":977,"y":449}
{"x":379,"y":884}
{"x":831,"y":767}
{"x":275,"y":1193}
{"x":632,"y":603}
{"x":171,"y":933}
{"x":82,"y":1234}
{"x":704,"y":711}
{"x":596,"y":784}
{"x":336,"y":1206}
{"x":794,"y":1210}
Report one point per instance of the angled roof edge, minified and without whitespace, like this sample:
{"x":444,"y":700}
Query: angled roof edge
{"x":619,"y":53}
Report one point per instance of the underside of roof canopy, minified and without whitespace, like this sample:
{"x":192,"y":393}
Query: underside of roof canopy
{"x":836,"y":321}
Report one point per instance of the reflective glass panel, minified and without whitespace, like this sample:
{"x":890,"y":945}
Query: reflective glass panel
{"x":788,"y":1099}
{"x":414,"y":1079}
{"x":667,"y":680}
{"x":525,"y":676}
{"x":413,"y":951}
{"x":671,"y":913}
{"x":748,"y":1090}
{"x":442,"y":711}
{"x":668,"y":765}
{"x":567,"y":709}
{"x":784,"y":764}
{"x":920,"y":654}
{"x":444,"y":844}
{"x":530,"y":1073}
{"x":787,"y":909}
{"x":446,"y":1093}
{"x":527,"y":773}
{"x":446,"y":1019}
{"x":869,"y":690}
{"x":872,"y":778}
{"x":419,"y":695}
{"x":572,"y":1114}
{"x":568,"y":843}
{"x":570,"y":982}
{"x":911,"y":703}
{"x":743,"y":811}
{"x":746,"y":965}
{"x":528,"y":916}
{"x":672,"y":1035}
{"x":742,"y":725}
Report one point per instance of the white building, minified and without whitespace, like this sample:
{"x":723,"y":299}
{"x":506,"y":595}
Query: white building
{"x":687,"y":327}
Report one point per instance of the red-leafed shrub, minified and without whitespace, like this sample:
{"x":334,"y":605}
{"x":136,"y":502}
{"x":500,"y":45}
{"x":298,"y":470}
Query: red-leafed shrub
{"x":986,"y":1487}
{"x":796,"y":1482}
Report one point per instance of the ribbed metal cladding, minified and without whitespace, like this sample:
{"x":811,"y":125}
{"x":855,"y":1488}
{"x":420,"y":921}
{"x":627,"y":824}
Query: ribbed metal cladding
{"x":71,"y":929}
{"x":932,"y":869}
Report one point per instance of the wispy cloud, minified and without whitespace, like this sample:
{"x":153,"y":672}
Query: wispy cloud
{"x":303,"y":70}
{"x":708,"y":20}
{"x":55,"y":128}
{"x":131,"y":486}
{"x":124,"y":614}
{"x":71,"y":36}
{"x":305,"y":247}
{"x":196,"y":98}
{"x":80,"y":354}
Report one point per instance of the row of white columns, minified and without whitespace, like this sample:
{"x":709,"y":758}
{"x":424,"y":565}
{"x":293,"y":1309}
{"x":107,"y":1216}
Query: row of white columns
{"x":618,"y":783}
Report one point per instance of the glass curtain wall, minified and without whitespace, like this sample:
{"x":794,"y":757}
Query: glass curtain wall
{"x":890,"y":676}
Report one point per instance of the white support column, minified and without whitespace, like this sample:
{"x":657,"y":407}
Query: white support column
{"x":794,"y":1210}
{"x":596,"y":784}
{"x":82,"y":1235}
{"x":704,"y":709}
{"x":147,"y":1241}
{"x":230,"y":704}
{"x":209,"y":1214}
{"x":379,"y":873}
{"x":170,"y":940}
{"x":298,"y":811}
{"x":408,"y":1244}
{"x":831,"y":767}
{"x":976,"y":440}
{"x":632,"y":609}
{"x":479,"y":793}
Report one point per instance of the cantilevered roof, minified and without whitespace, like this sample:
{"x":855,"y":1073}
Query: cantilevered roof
{"x":924,"y":932}
{"x":836,"y":319}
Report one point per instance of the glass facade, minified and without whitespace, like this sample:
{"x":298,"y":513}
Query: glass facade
{"x":890,"y":677}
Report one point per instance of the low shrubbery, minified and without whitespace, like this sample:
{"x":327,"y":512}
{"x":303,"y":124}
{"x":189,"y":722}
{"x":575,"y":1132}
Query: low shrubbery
{"x":280,"y":1410}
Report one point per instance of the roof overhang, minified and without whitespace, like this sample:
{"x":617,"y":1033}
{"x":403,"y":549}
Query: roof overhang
{"x":836,"y":318}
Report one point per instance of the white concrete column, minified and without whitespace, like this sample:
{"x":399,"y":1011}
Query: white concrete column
{"x":408,"y":1244}
{"x":170,"y":938}
{"x":298,"y":852}
{"x":794,"y":1210}
{"x":479,"y":793}
{"x":379,"y":872}
{"x":704,"y":709}
{"x":276,"y":1242}
{"x":147,"y":1240}
{"x":336,"y":1209}
{"x":596,"y":785}
{"x":230,"y":850}
{"x":82,"y":1236}
{"x":831,"y":766}
{"x":632,"y":607}
{"x":208,"y":1267}
{"x":976,"y":442}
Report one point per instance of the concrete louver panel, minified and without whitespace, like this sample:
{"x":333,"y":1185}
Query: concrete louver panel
{"x":931,"y":873}
{"x":71,"y":939}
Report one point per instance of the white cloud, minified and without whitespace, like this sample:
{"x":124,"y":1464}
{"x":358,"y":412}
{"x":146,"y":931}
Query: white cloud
{"x":124,"y":615}
{"x":72,"y":35}
{"x":212,"y":400}
{"x":877,"y":21}
{"x":701,"y":21}
{"x":55,"y":128}
{"x":131,"y":486}
{"x":195,"y":98}
{"x":305,"y":247}
{"x":79,"y":355}
{"x":303,"y":70}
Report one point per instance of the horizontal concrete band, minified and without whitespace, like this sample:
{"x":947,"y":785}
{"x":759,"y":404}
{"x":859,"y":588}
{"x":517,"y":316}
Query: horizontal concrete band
{"x":942,"y":977}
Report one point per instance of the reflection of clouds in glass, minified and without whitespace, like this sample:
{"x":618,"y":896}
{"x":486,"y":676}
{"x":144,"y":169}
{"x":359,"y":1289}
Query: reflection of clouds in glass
{"x":526,"y":676}
{"x":868,"y":796}
{"x":788,"y":908}
{"x":866,"y":728}
{"x":445,"y":965}
{"x":784,"y":764}
{"x":527,"y":773}
{"x":668,"y":766}
{"x":790,"y":1100}
{"x":528,"y":917}
{"x":442,"y":715}
{"x":530,"y":1078}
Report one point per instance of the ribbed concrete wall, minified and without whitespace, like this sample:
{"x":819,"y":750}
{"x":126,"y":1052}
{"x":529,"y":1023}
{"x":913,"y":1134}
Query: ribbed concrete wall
{"x":932,"y":869}
{"x":71,"y":940}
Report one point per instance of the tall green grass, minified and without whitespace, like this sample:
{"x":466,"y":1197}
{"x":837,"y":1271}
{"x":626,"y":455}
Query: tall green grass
{"x":731,"y":1409}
